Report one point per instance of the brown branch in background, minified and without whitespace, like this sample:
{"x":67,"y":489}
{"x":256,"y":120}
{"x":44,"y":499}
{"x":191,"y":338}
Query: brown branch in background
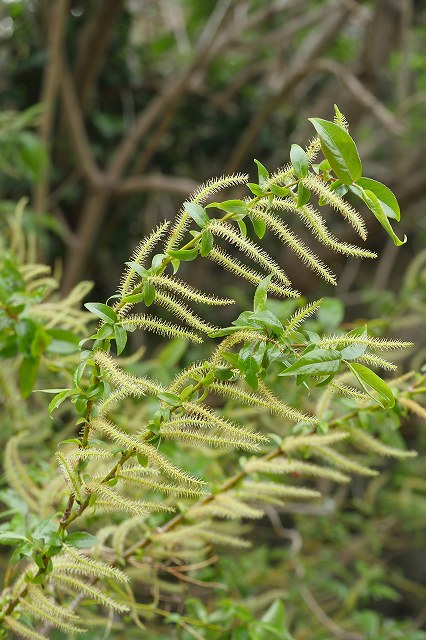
{"x":157,"y":182}
{"x":363,"y":95}
{"x":77,"y":130}
{"x":95,"y":207}
{"x":92,"y":44}
{"x":56,"y":29}
{"x":315,"y":43}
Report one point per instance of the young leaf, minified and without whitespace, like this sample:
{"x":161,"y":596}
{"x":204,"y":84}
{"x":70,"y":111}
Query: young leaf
{"x":207,"y":241}
{"x":299,"y":161}
{"x":148,"y":293}
{"x":368,"y":379}
{"x":373,"y":204}
{"x":318,"y":362}
{"x":355,"y":350}
{"x":250,"y":369}
{"x":120,"y":335}
{"x":339,"y":149}
{"x":170,"y":398}
{"x":197,"y":213}
{"x":263,"y":174}
{"x":138,"y":268}
{"x":303,"y":195}
{"x":261,"y":294}
{"x":184,"y":254}
{"x":231,"y":206}
{"x":259,"y":227}
{"x":80,"y":540}
{"x":254,"y":188}
{"x":281,"y":192}
{"x":102,"y":311}
{"x":387,"y":200}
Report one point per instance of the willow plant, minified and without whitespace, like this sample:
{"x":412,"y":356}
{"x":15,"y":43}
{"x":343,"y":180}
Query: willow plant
{"x":59,"y":572}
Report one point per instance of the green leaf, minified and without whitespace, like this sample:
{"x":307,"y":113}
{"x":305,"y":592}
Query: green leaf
{"x":275,"y":615}
{"x":339,"y":149}
{"x":148,"y":293}
{"x":138,"y":268}
{"x":263,"y":174}
{"x":157,"y":262}
{"x":281,"y":192}
{"x":231,"y":206}
{"x":250,"y":369}
{"x":80,"y":540}
{"x":259,"y":227}
{"x":207,"y":241}
{"x":62,"y":341}
{"x":368,"y":379}
{"x":318,"y":362}
{"x":261,"y":294}
{"x":254,"y":188}
{"x":197,"y":213}
{"x":60,"y":398}
{"x":387,"y":200}
{"x":104,"y":332}
{"x":355,"y":349}
{"x":27,"y":375}
{"x":303,"y":195}
{"x":299,"y":161}
{"x":373,"y":204}
{"x":170,"y":398}
{"x":184,"y":254}
{"x":102,"y":311}
{"x":120,"y":335}
{"x":133,"y":298}
{"x":11,"y":538}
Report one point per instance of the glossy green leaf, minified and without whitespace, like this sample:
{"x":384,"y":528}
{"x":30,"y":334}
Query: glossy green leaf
{"x":207,"y":241}
{"x":170,"y":398}
{"x":263,"y":174}
{"x":120,"y":335}
{"x":261,"y":294}
{"x":281,"y":192}
{"x":60,"y":398}
{"x":80,"y":540}
{"x":102,"y":311}
{"x":254,"y":188}
{"x":230,"y":206}
{"x":318,"y":362}
{"x":339,"y":149}
{"x":148,"y":293}
{"x":387,"y":200}
{"x":197,"y":213}
{"x":137,"y":268}
{"x":186,"y":255}
{"x":373,"y":204}
{"x":250,"y":369}
{"x":370,"y":380}
{"x":299,"y":161}
{"x":259,"y":227}
{"x":303,"y":195}
{"x":355,"y":349}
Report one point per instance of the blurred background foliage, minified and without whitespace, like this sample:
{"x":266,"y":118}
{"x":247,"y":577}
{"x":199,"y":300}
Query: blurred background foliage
{"x":111,"y":112}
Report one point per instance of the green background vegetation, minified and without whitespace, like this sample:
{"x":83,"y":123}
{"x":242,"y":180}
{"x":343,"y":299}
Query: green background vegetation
{"x":111,"y":113}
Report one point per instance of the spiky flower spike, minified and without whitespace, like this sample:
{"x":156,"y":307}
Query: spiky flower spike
{"x":122,"y":461}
